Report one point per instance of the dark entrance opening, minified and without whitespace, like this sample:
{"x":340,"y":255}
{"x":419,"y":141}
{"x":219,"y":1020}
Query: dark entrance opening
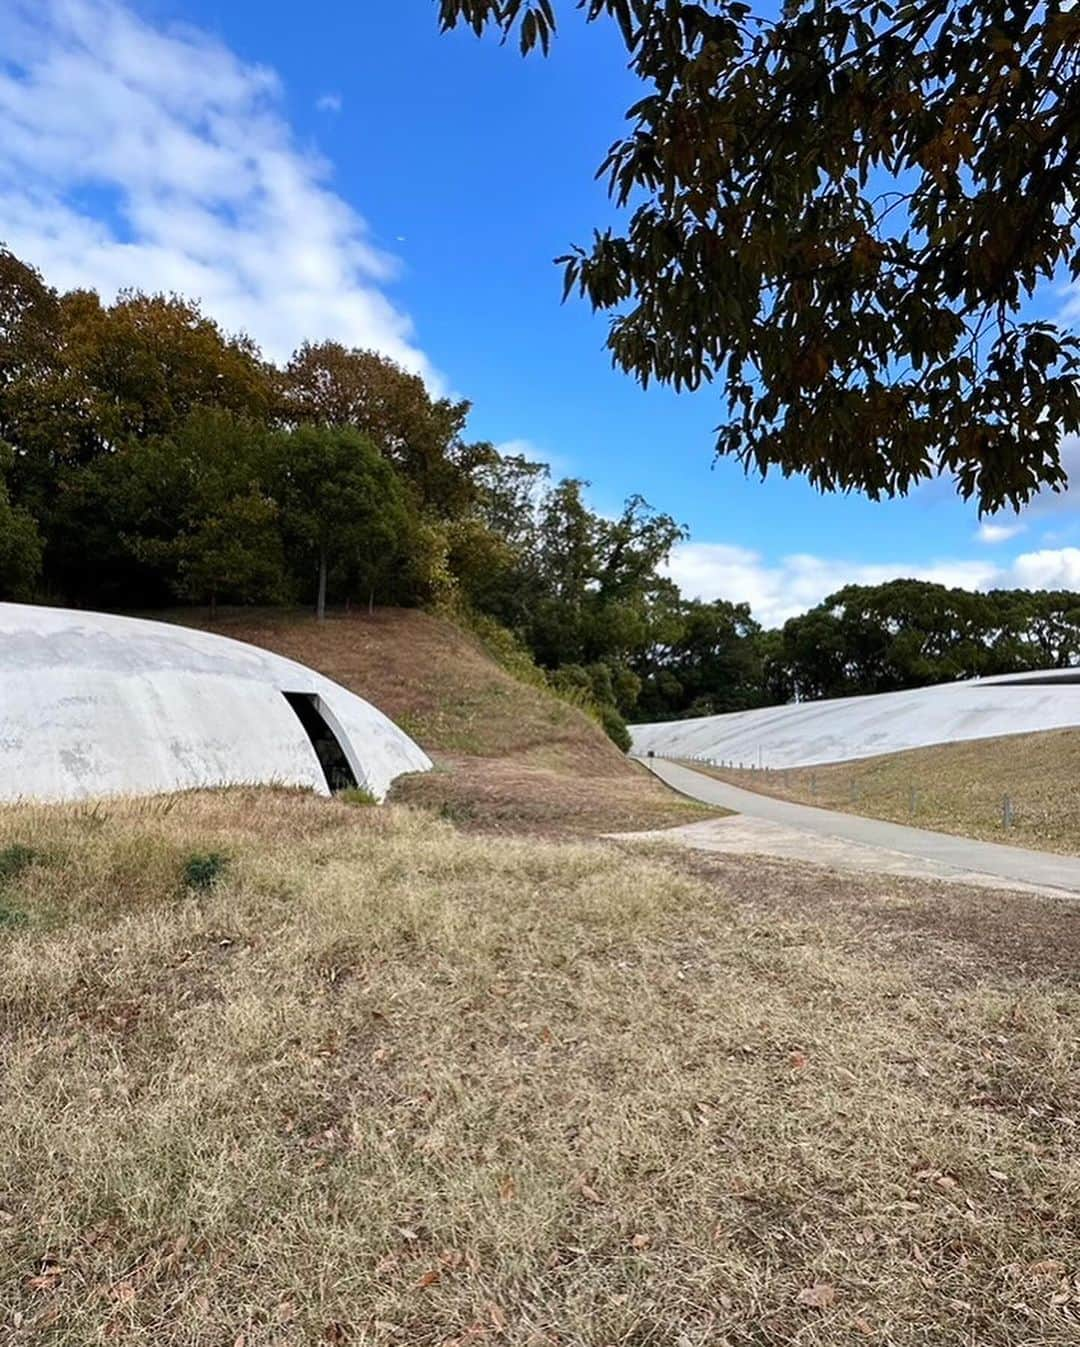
{"x":339,"y":775}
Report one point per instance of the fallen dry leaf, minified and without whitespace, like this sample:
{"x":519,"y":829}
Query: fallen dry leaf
{"x":590,"y":1194}
{"x":817,"y":1297}
{"x":641,"y":1241}
{"x":507,"y":1188}
{"x":44,"y":1281}
{"x":798,"y":1061}
{"x":429,"y":1278}
{"x":1046,"y":1267}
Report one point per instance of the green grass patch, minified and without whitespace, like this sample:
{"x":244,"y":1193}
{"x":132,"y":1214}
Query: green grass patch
{"x":15,"y":860}
{"x":204,"y":870}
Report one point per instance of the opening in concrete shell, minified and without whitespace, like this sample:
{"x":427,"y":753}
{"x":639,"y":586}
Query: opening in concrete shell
{"x":328,"y":747}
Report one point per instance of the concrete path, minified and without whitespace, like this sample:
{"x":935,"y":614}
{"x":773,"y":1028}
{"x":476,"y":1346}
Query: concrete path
{"x":848,"y":841}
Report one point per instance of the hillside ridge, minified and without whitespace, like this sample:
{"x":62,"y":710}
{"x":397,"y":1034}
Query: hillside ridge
{"x":508,"y":754}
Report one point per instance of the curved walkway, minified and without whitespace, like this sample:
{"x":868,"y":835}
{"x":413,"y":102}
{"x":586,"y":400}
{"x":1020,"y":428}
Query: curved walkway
{"x":819,"y":834}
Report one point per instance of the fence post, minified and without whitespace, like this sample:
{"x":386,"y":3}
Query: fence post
{"x":914,"y":800}
{"x":1006,"y":812}
{"x":854,"y":792}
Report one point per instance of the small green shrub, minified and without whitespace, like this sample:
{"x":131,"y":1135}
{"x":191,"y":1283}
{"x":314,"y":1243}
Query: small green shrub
{"x":11,"y":919}
{"x":202,"y":870}
{"x":457,"y":811}
{"x":615,"y":727}
{"x":507,"y":650}
{"x":356,"y":795}
{"x":14,"y":860}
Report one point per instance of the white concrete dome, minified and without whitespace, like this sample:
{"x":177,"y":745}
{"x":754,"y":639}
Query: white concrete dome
{"x":94,"y":705}
{"x":806,"y":734}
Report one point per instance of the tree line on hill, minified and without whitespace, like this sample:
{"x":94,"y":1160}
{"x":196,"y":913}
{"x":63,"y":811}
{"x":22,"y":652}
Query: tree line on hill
{"x":148,"y":458}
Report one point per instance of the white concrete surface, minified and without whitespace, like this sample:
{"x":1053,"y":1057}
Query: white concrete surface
{"x":95,"y":705}
{"x":809,"y":733}
{"x":848,"y":841}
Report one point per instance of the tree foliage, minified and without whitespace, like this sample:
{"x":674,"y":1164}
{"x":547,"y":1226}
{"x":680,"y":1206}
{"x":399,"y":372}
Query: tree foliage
{"x":838,"y":214}
{"x":20,"y":542}
{"x":328,"y":384}
{"x":911,"y":633}
{"x":342,"y":502}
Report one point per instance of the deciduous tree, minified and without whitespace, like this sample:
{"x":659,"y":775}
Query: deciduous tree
{"x":837,"y":213}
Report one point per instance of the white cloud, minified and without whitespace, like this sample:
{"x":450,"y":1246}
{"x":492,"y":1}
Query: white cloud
{"x":1050,"y":568}
{"x":989,"y":532}
{"x":329,"y":103}
{"x":157,"y":159}
{"x":779,"y":590}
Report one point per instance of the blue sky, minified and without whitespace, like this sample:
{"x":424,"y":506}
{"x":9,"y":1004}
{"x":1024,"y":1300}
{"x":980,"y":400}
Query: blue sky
{"x":343,"y":169}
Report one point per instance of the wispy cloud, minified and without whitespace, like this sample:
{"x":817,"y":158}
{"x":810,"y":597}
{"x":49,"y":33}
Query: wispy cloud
{"x":989,"y":532}
{"x":329,"y":103}
{"x":134,"y":155}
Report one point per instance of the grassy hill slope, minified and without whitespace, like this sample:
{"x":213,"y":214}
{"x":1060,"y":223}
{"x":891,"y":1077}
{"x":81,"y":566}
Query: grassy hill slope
{"x":508,"y":755}
{"x":958,"y":788}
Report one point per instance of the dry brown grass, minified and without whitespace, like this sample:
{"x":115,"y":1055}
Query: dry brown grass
{"x":509,"y":755}
{"x":959,"y":788}
{"x":391,"y":1083}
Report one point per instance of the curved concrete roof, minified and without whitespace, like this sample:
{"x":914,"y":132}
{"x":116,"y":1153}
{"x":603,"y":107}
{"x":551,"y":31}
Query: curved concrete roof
{"x":92,"y":704}
{"x":809,"y":733}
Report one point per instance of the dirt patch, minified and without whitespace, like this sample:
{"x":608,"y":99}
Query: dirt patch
{"x":967,"y":932}
{"x":510,"y":795}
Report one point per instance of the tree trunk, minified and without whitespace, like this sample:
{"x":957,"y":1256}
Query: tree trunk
{"x":371,"y":602}
{"x":320,"y":602}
